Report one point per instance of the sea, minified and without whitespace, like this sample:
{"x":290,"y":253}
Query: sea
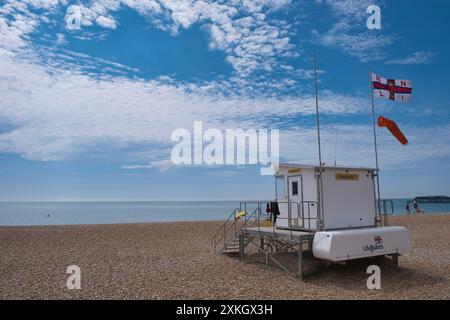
{"x":25,"y":213}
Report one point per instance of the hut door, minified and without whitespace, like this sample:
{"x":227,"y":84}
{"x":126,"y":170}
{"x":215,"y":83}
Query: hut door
{"x":295,"y":196}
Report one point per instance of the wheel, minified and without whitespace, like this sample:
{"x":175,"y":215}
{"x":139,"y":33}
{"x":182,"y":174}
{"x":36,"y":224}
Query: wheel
{"x":269,"y":247}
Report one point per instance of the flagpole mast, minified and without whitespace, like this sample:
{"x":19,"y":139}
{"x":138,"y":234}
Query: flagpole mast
{"x":321,"y":211}
{"x":377,"y":206}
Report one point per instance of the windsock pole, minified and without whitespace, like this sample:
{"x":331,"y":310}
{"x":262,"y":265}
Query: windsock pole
{"x":378,"y":194}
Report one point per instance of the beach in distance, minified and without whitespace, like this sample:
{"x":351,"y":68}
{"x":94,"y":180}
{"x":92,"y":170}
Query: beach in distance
{"x":175,"y":260}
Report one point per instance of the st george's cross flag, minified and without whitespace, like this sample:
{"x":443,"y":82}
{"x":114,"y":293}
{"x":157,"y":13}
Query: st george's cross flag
{"x":396,"y":90}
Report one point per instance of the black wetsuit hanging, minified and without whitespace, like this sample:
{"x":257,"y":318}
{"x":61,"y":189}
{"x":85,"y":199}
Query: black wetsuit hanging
{"x":275,"y":211}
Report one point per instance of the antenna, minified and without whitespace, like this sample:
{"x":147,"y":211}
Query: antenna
{"x":335,"y":145}
{"x":317,"y":112}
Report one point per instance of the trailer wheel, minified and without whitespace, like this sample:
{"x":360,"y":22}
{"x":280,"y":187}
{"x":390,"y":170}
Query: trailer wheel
{"x":269,"y":247}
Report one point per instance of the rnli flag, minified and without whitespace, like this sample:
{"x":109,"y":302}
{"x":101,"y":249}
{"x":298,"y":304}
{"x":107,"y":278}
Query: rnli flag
{"x":396,"y":90}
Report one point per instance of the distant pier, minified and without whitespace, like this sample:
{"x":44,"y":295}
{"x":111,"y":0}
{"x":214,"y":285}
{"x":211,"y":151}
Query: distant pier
{"x":432,"y":199}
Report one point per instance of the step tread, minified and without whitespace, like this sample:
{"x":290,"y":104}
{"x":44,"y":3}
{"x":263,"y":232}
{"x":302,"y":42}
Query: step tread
{"x":230,"y":251}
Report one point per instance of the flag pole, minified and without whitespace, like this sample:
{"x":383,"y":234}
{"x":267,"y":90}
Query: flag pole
{"x":321,"y":211}
{"x":377,"y":206}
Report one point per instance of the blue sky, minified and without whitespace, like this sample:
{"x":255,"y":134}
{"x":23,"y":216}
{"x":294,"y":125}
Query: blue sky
{"x":87,"y":113}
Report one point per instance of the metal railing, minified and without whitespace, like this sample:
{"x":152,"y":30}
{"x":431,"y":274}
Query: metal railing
{"x":385,"y":208}
{"x":221,"y":233}
{"x":295,"y":213}
{"x":230,"y":229}
{"x":309,"y":205}
{"x":299,"y":217}
{"x":262,"y":215}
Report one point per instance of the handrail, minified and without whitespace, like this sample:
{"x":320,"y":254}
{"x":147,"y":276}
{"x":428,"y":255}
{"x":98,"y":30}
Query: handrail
{"x":225,"y":231}
{"x":247,"y":218}
{"x":221,"y":234}
{"x":384,"y":212}
{"x":215,"y":238}
{"x":229,"y":218}
{"x":302,"y":214}
{"x":300,"y":210}
{"x":310,"y":204}
{"x":383,"y":208}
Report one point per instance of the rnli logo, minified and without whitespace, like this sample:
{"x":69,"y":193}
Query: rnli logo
{"x":377,"y":245}
{"x":378,"y":240}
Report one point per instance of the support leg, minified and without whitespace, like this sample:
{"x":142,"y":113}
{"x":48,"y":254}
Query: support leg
{"x":241,"y":247}
{"x":395,"y":259}
{"x":267,"y":259}
{"x":300,"y":261}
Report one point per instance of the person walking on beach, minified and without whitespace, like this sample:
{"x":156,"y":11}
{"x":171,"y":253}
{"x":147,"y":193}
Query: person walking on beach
{"x":408,"y":209}
{"x":416,"y":206}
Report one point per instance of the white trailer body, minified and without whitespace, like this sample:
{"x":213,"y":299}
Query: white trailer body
{"x":341,"y":245}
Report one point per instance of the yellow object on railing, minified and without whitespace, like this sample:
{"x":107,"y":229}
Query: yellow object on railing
{"x":240,"y":214}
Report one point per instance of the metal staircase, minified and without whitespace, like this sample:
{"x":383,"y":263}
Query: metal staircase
{"x":226,"y":237}
{"x":233,"y":246}
{"x":255,"y":229}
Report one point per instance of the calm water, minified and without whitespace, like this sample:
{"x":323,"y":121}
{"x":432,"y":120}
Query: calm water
{"x":399,"y":207}
{"x":36,"y":213}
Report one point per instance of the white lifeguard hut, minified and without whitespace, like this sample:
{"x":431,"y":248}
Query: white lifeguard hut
{"x":348,"y":196}
{"x":341,"y":210}
{"x":328,"y":210}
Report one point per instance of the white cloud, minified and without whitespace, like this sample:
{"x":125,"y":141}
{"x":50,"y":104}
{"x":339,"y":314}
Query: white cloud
{"x":56,"y":112}
{"x":419,"y":57}
{"x":136,"y":166}
{"x":106,"y":22}
{"x":348,"y":8}
{"x":18,"y":21}
{"x":353,"y":145}
{"x":162,"y":165}
{"x":240,"y":28}
{"x":15,"y":24}
{"x":78,"y":16}
{"x":60,"y":39}
{"x":349,"y":32}
{"x":364,"y":46}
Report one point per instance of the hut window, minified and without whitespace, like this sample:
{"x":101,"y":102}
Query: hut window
{"x":295,"y":188}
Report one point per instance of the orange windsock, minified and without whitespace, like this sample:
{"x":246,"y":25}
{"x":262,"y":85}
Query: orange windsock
{"x":393,"y":128}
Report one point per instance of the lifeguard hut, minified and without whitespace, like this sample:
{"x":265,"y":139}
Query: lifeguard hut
{"x":334,"y":215}
{"x":347,"y":194}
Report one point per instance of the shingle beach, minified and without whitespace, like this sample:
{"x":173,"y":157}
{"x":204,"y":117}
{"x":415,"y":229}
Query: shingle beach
{"x":176,"y":261}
